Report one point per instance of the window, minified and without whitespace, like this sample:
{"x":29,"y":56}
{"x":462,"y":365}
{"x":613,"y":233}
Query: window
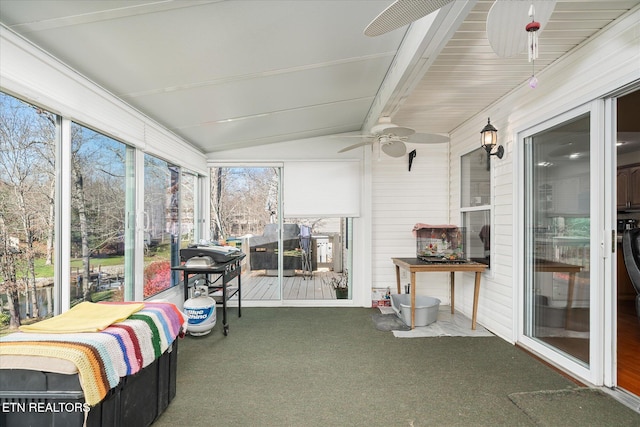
{"x":475,"y":205}
{"x":68,"y":219}
{"x":161,"y":228}
{"x":98,"y":186}
{"x":27,"y":215}
{"x":188,"y":209}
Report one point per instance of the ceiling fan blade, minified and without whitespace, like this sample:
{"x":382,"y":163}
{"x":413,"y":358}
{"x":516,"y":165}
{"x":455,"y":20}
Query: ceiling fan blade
{"x":401,"y":13}
{"x":351,"y":147}
{"x":507,"y":20}
{"x":353,"y":136}
{"x":398,"y":131}
{"x":394,"y":149}
{"x":428,"y":138}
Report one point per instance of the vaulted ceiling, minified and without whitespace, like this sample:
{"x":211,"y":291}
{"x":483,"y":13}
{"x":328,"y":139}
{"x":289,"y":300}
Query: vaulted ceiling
{"x":231,"y":74}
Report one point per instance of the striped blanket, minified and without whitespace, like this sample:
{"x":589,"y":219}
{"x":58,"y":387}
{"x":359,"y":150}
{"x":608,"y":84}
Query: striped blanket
{"x":102,"y":358}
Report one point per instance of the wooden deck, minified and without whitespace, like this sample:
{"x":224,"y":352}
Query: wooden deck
{"x":256,"y":285}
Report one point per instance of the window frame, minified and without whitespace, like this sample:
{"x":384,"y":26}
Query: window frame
{"x":466,"y":210}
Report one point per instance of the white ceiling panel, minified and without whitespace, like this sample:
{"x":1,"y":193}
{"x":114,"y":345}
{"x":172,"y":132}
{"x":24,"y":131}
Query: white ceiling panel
{"x":281,"y":126}
{"x":249,"y":96}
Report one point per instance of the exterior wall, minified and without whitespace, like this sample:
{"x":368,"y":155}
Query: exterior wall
{"x":607,"y":62}
{"x":400,"y":199}
{"x":495,"y":309}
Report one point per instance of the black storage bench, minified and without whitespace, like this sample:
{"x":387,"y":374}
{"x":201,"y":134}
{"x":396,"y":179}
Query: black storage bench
{"x":42,"y":398}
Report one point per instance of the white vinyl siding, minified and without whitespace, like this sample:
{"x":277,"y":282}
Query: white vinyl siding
{"x":400,"y":199}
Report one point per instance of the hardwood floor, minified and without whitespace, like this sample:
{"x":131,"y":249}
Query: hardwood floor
{"x":628,"y":347}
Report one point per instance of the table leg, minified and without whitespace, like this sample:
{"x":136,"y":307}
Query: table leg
{"x":476,"y":291}
{"x":572,"y":283}
{"x":186,"y":285}
{"x":452,"y":281}
{"x":225,"y":325}
{"x":413,"y":300}
{"x":398,"y":278}
{"x":239,"y":294}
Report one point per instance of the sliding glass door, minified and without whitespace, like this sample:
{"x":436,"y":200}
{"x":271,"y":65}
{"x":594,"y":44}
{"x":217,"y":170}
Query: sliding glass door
{"x":245,"y":213}
{"x":302,"y":257}
{"x":557,"y":233}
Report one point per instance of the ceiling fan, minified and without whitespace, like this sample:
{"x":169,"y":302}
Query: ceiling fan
{"x":506,"y":20}
{"x":392,"y":139}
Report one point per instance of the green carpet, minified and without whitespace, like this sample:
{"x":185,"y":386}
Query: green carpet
{"x":332,"y":367}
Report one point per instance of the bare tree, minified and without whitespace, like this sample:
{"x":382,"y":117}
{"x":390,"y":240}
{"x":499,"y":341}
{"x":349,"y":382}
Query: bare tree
{"x":97,"y":195}
{"x":217,"y":183}
{"x":244,"y":200}
{"x":46,"y":130}
{"x":51,"y":221}
{"x":8,"y":262}
{"x":80,"y":206}
{"x":24,"y":171}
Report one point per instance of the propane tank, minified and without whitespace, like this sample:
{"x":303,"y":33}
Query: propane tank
{"x":201,"y":312}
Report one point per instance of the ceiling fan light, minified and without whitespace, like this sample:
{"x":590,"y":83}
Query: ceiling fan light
{"x":394,"y":149}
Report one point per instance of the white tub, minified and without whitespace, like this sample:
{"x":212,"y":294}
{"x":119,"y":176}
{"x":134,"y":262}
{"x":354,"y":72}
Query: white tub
{"x":426,"y":308}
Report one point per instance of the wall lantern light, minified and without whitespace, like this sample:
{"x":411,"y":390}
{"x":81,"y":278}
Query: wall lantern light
{"x":489,"y":140}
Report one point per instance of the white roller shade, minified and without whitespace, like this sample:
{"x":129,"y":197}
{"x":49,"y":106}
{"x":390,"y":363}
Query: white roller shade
{"x":322,"y":188}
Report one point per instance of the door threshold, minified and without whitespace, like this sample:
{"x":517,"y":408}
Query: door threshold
{"x":627,"y":399}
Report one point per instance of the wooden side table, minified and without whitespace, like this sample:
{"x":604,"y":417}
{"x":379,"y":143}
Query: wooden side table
{"x":416,"y":265}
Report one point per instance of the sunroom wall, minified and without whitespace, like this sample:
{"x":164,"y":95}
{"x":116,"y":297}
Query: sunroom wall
{"x":401,"y":199}
{"x":315,"y":150}
{"x":607,"y":62}
{"x":31,"y":74}
{"x":393,"y":200}
{"x":34,"y":76}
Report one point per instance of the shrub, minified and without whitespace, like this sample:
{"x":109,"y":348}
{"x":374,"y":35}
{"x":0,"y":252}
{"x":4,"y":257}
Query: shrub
{"x":4,"y":319}
{"x":157,"y":277}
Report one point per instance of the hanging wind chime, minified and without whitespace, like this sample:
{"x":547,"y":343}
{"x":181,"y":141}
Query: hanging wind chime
{"x":532,"y":29}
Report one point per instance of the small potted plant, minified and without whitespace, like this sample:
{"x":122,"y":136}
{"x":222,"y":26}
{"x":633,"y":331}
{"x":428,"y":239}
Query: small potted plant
{"x":340,"y":284}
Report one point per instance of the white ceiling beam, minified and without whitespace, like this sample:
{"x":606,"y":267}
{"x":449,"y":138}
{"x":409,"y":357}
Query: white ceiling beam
{"x":421,"y":45}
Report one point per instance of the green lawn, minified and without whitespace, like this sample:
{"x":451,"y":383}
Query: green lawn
{"x":43,"y":270}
